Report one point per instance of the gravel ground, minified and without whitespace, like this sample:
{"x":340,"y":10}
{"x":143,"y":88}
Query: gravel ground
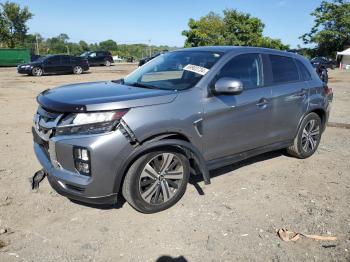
{"x":234,"y":218}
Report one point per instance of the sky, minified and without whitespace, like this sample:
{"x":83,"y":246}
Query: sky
{"x":160,"y":22}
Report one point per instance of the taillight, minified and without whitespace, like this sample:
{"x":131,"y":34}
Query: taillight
{"x":328,"y":90}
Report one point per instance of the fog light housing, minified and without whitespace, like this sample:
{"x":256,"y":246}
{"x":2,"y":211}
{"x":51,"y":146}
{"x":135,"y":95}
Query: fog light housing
{"x":82,"y":162}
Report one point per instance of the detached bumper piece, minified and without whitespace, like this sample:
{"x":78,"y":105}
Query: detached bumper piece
{"x":37,"y":178}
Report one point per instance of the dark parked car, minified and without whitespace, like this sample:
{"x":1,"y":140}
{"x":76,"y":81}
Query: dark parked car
{"x":147,"y":59}
{"x":98,"y":58}
{"x":184,"y":113}
{"x":34,"y":57}
{"x":327,"y":63}
{"x":322,"y":72}
{"x":54,"y":64}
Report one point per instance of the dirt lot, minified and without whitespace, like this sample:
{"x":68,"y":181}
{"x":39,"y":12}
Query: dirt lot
{"x":234,"y":218}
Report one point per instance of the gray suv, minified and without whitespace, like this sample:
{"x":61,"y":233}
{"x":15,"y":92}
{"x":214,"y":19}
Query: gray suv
{"x":185,"y":112}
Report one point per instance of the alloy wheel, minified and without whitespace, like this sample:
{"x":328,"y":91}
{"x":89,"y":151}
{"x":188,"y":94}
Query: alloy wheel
{"x":310,"y":136}
{"x":78,"y":70}
{"x":37,"y":71}
{"x":161,"y":178}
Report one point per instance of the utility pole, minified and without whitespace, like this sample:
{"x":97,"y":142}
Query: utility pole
{"x":67,"y":49}
{"x":150,"y":48}
{"x":37,"y":45}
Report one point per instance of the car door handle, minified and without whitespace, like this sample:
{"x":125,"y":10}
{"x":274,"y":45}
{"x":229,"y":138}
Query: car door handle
{"x":262,"y":104}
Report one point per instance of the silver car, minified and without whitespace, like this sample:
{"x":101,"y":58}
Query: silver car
{"x":183,"y":113}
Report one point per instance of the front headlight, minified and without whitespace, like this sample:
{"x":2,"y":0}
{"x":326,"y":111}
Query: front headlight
{"x":89,"y":123}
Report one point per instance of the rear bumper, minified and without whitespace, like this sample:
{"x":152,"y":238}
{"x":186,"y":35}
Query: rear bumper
{"x":107,"y":155}
{"x":85,"y":67}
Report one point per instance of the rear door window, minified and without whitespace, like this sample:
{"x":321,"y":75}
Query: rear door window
{"x":304,"y":72}
{"x":284,"y":69}
{"x":65,"y":60}
{"x":247,"y":68}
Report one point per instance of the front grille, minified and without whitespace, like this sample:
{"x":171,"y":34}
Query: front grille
{"x":44,"y":145}
{"x":45,"y":122}
{"x":47,"y":114}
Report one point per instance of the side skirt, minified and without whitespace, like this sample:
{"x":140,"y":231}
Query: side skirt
{"x":227,"y":160}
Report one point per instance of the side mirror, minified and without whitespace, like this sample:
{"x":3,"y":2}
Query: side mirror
{"x":228,"y":86}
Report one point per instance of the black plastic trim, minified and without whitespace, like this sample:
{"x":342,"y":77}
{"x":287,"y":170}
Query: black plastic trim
{"x":227,"y":160}
{"x":154,"y":144}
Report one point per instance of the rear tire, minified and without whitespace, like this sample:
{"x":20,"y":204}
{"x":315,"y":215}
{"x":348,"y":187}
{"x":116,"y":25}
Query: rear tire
{"x":37,"y":71}
{"x":107,"y":63}
{"x":156,"y":180}
{"x":308,"y":137}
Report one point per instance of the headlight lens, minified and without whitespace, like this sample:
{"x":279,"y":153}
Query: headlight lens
{"x":89,"y":123}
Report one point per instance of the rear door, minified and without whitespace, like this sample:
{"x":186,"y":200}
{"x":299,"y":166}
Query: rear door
{"x":289,"y":96}
{"x":100,"y":57}
{"x":66,"y":64}
{"x":236,"y":123}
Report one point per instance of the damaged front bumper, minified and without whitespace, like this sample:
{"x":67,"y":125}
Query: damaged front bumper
{"x":107,"y":153}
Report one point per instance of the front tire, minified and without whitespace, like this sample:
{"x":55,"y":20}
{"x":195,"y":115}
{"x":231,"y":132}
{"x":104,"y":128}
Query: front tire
{"x":37,"y":71}
{"x":308,"y":137}
{"x":107,"y":63}
{"x":156,"y":180}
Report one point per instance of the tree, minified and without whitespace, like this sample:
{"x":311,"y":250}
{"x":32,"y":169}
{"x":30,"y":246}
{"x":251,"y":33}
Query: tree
{"x":234,"y":28}
{"x":13,"y":21}
{"x":58,"y":44}
{"x":83,"y":46}
{"x":208,"y":30}
{"x":108,"y":45}
{"x":331,"y":31}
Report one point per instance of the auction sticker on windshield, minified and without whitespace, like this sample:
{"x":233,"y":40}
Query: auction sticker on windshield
{"x":196,"y":69}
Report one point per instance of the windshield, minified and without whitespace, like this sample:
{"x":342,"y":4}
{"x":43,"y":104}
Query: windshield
{"x":173,"y":71}
{"x":85,"y":54}
{"x":40,"y":59}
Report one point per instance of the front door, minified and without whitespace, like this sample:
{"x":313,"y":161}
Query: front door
{"x":92,"y":58}
{"x":52,"y":64}
{"x":236,"y":123}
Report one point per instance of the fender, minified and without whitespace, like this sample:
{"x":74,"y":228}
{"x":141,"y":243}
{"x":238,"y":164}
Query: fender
{"x":308,"y":112}
{"x":158,"y":142}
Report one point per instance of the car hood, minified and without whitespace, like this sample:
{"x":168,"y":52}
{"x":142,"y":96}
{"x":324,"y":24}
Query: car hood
{"x":34,"y":63}
{"x":97,"y":96}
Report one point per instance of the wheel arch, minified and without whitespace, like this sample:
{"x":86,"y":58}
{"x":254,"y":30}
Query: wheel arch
{"x":174,"y":141}
{"x":320,"y":112}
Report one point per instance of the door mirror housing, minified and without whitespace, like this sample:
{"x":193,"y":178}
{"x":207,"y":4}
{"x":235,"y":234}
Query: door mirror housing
{"x":228,"y":86}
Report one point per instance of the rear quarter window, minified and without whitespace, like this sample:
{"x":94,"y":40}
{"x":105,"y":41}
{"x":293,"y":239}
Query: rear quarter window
{"x":284,"y":69}
{"x":304,"y":72}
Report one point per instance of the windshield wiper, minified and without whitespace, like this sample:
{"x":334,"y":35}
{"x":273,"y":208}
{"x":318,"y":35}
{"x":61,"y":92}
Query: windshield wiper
{"x":138,"y":84}
{"x":119,"y":81}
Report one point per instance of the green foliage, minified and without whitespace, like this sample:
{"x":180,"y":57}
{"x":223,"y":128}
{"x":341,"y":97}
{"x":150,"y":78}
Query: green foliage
{"x":61,"y":45}
{"x":13,"y":21}
{"x":208,"y":30}
{"x":331,"y":30}
{"x":108,"y":45}
{"x":234,"y":28}
{"x":84,"y":46}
